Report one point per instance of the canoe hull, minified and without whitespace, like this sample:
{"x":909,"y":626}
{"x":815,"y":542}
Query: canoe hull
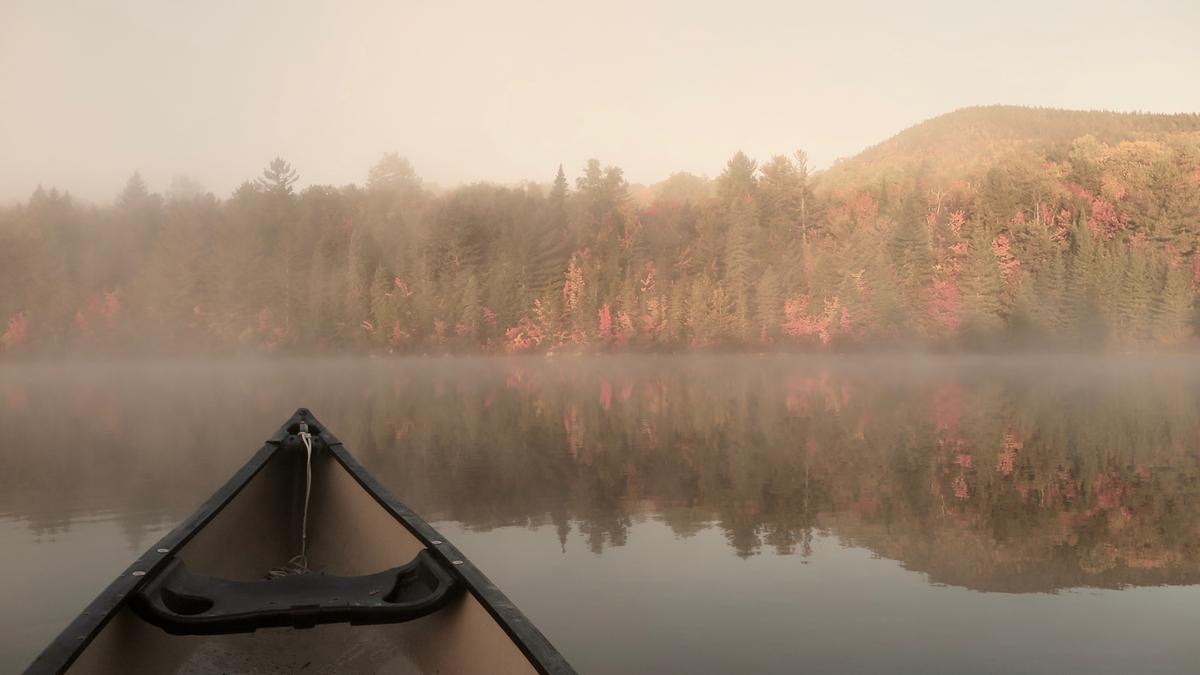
{"x":356,"y":528}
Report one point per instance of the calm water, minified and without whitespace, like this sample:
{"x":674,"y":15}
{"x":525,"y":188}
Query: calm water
{"x":699,"y":515}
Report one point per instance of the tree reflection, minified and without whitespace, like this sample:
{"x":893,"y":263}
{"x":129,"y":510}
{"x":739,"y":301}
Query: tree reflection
{"x":989,"y":474}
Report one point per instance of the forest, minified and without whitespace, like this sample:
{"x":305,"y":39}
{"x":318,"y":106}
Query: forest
{"x":986,"y":228}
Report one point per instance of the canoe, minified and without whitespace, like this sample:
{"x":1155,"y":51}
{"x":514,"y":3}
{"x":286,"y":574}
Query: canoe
{"x":301,"y":562}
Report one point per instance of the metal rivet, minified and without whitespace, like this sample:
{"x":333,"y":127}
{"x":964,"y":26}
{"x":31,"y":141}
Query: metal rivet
{"x":457,"y":562}
{"x":139,"y":573}
{"x":163,"y":550}
{"x":436,"y":541}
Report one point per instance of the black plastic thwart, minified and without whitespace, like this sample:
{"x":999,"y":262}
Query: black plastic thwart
{"x":183,"y":603}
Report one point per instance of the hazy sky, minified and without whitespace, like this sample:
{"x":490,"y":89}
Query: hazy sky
{"x":506,"y":90}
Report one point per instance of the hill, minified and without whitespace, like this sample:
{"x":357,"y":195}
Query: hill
{"x":968,"y":140}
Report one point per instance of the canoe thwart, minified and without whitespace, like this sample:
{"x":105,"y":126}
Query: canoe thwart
{"x":183,"y":603}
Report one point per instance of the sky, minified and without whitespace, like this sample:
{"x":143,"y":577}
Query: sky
{"x":91,"y":91}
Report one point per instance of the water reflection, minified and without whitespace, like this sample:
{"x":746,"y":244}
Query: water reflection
{"x":980,"y":474}
{"x":985,"y":474}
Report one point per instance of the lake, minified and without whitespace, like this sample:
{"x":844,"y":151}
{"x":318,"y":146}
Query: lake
{"x":711,"y":514}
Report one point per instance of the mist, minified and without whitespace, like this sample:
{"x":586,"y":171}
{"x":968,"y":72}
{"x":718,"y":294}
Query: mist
{"x":942,"y":480}
{"x":92,"y":92}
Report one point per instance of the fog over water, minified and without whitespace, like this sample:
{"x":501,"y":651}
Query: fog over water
{"x":704,"y":514}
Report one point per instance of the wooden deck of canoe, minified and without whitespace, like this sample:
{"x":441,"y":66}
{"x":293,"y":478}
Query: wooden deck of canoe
{"x":252,"y":525}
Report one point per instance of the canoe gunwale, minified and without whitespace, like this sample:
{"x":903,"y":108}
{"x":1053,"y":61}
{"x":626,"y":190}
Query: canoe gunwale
{"x":532,"y":643}
{"x":62,"y":652}
{"x":74,"y":639}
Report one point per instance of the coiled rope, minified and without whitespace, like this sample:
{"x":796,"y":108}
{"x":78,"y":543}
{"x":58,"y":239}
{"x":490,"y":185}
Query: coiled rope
{"x":299,"y":563}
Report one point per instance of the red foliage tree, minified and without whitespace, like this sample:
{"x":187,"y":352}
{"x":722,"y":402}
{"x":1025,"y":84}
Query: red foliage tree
{"x":943,"y":310}
{"x":606,"y":325}
{"x":17,"y":332}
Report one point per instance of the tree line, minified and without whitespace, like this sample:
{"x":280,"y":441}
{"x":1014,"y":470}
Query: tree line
{"x":1092,"y":244}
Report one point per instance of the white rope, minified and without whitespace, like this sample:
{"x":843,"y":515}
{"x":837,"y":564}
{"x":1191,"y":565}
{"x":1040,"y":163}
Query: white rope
{"x":307,"y":438}
{"x":299,"y":564}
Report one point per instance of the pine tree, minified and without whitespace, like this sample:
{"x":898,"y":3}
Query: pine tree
{"x":601,"y":192}
{"x":278,"y":178}
{"x":1038,"y":297}
{"x":142,"y":217}
{"x":1173,"y":317}
{"x":981,"y":286}
{"x":1110,"y":274}
{"x":1081,"y":302}
{"x":723,"y":322}
{"x":913,"y":260}
{"x":889,"y":308}
{"x":738,"y":182}
{"x":135,"y":192}
{"x":781,"y":197}
{"x":547,"y":248}
{"x":804,"y":186}
{"x":356,"y":300}
{"x":383,"y":306}
{"x":768,"y":305}
{"x":1134,"y":300}
{"x":676,"y":312}
{"x":558,"y":199}
{"x":471,"y":318}
{"x":698,"y":320}
{"x":320,"y":309}
{"x":1051,"y":289}
{"x":739,"y":265}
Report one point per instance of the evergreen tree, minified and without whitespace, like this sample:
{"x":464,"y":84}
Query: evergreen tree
{"x":471,"y":318}
{"x":278,"y":178}
{"x":355,"y":305}
{"x":135,"y":193}
{"x":739,"y":182}
{"x":1051,"y":289}
{"x":320,"y":307}
{"x":600,"y":192}
{"x":724,"y":324}
{"x":804,"y":188}
{"x":383,"y":306}
{"x":394,"y":174}
{"x":739,"y":268}
{"x":1082,"y":307}
{"x":769,"y":305}
{"x":698,"y":316}
{"x":912,"y":259}
{"x":558,"y":199}
{"x":781,"y":196}
{"x":981,"y":284}
{"x":1134,"y":300}
{"x":1173,"y":318}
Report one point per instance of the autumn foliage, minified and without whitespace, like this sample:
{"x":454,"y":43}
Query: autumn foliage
{"x":1083,"y":234}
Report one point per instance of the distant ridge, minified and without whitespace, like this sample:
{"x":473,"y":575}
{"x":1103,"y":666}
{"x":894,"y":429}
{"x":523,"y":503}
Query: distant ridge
{"x":959,"y":143}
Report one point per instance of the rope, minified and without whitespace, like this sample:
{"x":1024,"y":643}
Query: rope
{"x":299,"y":564}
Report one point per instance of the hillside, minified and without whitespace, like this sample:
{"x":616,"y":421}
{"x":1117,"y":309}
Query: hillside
{"x":965,"y":141}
